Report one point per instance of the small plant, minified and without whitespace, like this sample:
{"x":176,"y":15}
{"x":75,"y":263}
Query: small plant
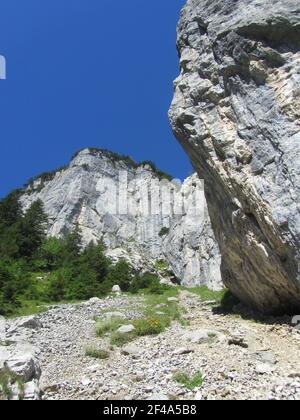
{"x":206,"y":294}
{"x":118,"y":339}
{"x":190,"y":382}
{"x":161,"y":265}
{"x":164,"y":232}
{"x":110,"y":325}
{"x":96,"y":353}
{"x":137,"y":379}
{"x":149,"y":326}
{"x":85,"y":166}
{"x":212,"y":335}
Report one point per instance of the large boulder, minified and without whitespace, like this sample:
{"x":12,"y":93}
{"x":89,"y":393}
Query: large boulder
{"x":22,"y":360}
{"x":236,"y":112}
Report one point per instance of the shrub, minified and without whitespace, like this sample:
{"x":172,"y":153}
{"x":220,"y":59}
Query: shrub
{"x":111,"y":325}
{"x":164,"y":232}
{"x":142,"y":282}
{"x":118,"y":339}
{"x":96,"y":353}
{"x":58,"y":284}
{"x":149,"y":326}
{"x":161,"y":265}
{"x":49,"y":256}
{"x":121,"y":274}
{"x":157,"y":288}
{"x":190,"y":382}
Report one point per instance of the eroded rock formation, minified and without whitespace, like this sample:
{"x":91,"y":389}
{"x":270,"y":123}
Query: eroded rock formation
{"x":92,"y":191}
{"x":236,"y":112}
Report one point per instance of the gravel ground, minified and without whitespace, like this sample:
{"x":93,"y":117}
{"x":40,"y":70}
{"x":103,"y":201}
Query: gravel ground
{"x":239,"y":359}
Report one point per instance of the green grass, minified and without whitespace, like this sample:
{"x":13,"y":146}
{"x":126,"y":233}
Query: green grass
{"x":190,"y":382}
{"x":108,"y":326}
{"x":161,"y":265}
{"x":33,"y":307}
{"x":153,"y":321}
{"x":205,"y":294}
{"x":224,"y":298}
{"x":96,"y":353}
{"x":150,"y":326}
{"x":30,"y":307}
{"x":118,"y":339}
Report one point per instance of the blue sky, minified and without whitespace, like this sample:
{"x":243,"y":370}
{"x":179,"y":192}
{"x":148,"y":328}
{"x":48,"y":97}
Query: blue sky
{"x":86,"y":73}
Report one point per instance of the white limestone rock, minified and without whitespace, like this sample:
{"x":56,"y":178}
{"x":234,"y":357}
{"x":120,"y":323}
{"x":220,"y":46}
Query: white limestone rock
{"x":83,"y":194}
{"x":236,"y":113}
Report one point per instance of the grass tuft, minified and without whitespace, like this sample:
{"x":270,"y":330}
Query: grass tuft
{"x":110,"y":325}
{"x":150,"y":326}
{"x":206,"y":294}
{"x":190,"y":382}
{"x":96,"y":353}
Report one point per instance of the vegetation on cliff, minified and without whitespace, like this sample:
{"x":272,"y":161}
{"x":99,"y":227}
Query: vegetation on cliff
{"x":34,"y":268}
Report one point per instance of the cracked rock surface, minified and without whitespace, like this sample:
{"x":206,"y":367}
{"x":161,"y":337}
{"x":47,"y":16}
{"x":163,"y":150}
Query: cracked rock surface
{"x":83,"y":193}
{"x":236,"y":112}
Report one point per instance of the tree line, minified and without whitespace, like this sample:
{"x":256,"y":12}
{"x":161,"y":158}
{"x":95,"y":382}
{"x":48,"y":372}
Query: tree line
{"x":36,"y":267}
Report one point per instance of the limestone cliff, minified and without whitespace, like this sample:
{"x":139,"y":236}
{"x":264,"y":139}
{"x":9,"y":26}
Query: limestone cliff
{"x":236,"y":112}
{"x":108,"y":197}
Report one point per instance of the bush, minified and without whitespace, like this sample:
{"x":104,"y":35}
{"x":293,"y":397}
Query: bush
{"x":156,"y":288}
{"x":142,"y":282}
{"x":111,"y":325}
{"x":96,"y":353}
{"x":164,"y":232}
{"x":190,"y":382}
{"x":149,"y":326}
{"x":148,"y":283}
{"x":118,"y":339}
{"x":121,"y":274}
{"x":161,"y":265}
{"x":12,"y":286}
{"x":50,"y":255}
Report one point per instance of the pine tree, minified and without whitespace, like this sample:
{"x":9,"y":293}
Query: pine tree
{"x":10,"y":210}
{"x":93,"y":257}
{"x":121,"y":274}
{"x":32,"y":229}
{"x":73,"y":244}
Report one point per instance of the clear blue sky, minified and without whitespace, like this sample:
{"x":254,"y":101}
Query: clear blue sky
{"x":86,"y":73}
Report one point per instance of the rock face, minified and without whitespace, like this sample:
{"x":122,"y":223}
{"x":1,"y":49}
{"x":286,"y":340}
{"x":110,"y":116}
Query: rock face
{"x":236,"y":112}
{"x":108,"y":197}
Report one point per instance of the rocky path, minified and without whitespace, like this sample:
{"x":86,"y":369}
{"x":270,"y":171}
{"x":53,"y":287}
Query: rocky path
{"x":239,"y":359}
